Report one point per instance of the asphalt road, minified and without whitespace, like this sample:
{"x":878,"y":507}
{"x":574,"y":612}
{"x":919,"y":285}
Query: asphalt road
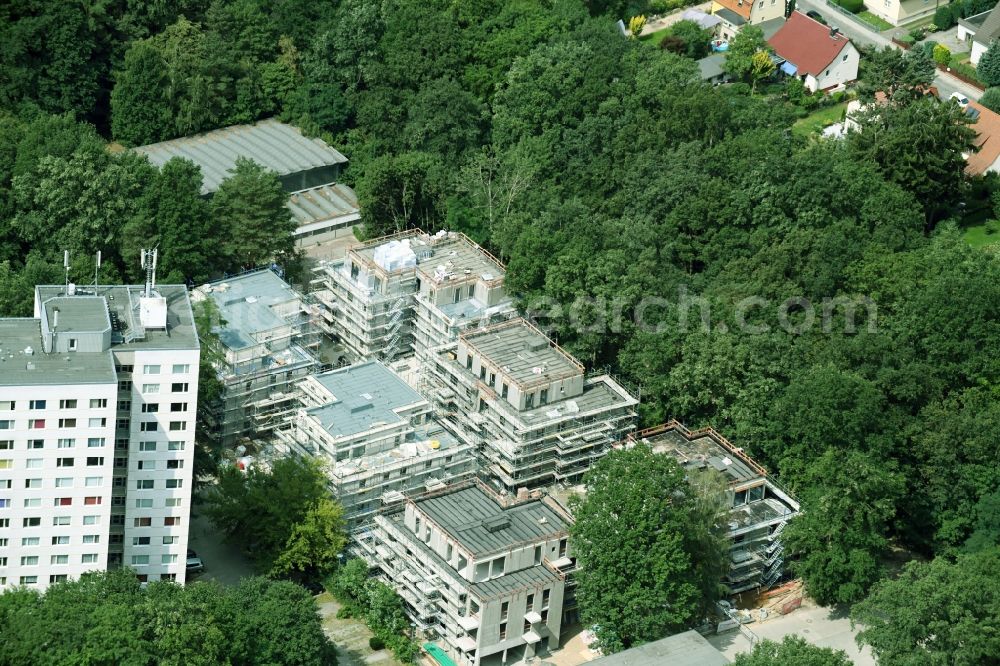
{"x":862,"y":35}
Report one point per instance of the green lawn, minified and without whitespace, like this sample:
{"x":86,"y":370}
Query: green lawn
{"x":815,"y":122}
{"x":977,"y":228}
{"x":653,"y":38}
{"x":874,"y":21}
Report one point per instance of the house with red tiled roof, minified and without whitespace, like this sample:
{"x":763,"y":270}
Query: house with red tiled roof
{"x":737,"y":13}
{"x":822,"y":57}
{"x":987,"y":126}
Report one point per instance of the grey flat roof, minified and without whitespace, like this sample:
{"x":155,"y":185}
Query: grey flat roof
{"x":366,"y":395}
{"x":123,"y":302}
{"x":687,"y":649}
{"x":272,"y":144}
{"x":326,"y":202}
{"x":78,"y":314}
{"x":531,"y":577}
{"x":482,"y":526}
{"x":702,"y":450}
{"x":730,"y":16}
{"x":712,"y":66}
{"x":452,"y":251}
{"x":522,"y":351}
{"x":18,"y":368}
{"x":245,"y":304}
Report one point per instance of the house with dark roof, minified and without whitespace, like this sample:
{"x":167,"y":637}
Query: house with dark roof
{"x":485,"y":573}
{"x":820,"y":56}
{"x":737,"y":13}
{"x":979,"y":32}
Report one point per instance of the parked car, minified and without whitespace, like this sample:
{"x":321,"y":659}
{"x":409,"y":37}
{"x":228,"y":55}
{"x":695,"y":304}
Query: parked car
{"x":816,"y":16}
{"x":194,"y":563}
{"x":962,"y":100}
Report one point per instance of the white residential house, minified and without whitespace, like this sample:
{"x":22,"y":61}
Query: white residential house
{"x":821,"y":56}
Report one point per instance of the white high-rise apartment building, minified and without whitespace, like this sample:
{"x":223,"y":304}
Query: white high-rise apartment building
{"x":98,"y":395}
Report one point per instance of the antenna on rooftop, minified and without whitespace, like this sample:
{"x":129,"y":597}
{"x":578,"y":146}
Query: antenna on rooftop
{"x":148,"y":261}
{"x":97,"y":267}
{"x":66,"y":266}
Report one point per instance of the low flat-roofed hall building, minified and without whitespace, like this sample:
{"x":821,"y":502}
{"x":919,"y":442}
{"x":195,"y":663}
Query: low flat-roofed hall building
{"x":485,"y":574}
{"x":540,"y":418}
{"x":308,"y":168}
{"x":377,"y":435}
{"x":760,"y":508}
{"x":261,"y":349}
{"x":408,"y":293}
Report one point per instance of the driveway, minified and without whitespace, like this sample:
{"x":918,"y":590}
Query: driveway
{"x":223,"y":561}
{"x":825,"y":627}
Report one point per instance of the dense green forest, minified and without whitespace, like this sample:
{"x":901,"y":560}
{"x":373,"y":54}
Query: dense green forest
{"x":606,"y":175}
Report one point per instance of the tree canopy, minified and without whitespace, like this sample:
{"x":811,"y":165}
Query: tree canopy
{"x":107,"y":617}
{"x":938,"y":612}
{"x":640,"y":509}
{"x":282,"y":516}
{"x":791,"y":651}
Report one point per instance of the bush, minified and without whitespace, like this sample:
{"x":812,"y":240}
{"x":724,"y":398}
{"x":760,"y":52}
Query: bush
{"x":376,"y":643}
{"x":909,"y":40}
{"x":942,"y":54}
{"x":991,"y":99}
{"x":943,"y":17}
{"x":853,"y":6}
{"x":928,"y":47}
{"x":917,"y":34}
{"x":838,"y":96}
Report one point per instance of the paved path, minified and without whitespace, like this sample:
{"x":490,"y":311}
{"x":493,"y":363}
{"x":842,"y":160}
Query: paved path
{"x":820,"y":626}
{"x":861,"y":34}
{"x":350,"y":635}
{"x":223,"y":561}
{"x":668,"y":20}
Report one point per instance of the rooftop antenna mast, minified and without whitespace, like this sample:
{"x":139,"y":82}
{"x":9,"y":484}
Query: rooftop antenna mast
{"x":149,"y":263}
{"x":97,"y":267}
{"x":66,"y":266}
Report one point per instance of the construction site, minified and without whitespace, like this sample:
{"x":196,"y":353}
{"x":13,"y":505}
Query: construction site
{"x":412,"y":291}
{"x":759,"y":509}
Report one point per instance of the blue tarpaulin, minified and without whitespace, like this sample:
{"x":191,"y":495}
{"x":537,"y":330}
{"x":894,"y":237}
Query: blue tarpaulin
{"x":789,"y":68}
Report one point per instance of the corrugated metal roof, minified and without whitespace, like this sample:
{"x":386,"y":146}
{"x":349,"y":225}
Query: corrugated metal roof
{"x":272,"y":144}
{"x":326,"y":202}
{"x":468,"y":515}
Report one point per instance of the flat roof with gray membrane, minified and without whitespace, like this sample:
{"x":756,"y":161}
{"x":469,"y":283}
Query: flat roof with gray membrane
{"x":482,"y":526}
{"x":123,"y":305}
{"x":366,"y":395}
{"x":524,"y":354}
{"x":245,"y":305}
{"x":687,"y":649}
{"x":19,"y":368}
{"x":702,"y":452}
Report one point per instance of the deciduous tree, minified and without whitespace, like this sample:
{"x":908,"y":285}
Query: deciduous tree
{"x":791,"y":651}
{"x":640,"y":509}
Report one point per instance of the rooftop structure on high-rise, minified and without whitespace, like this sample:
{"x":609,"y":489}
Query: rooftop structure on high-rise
{"x":98,"y":394}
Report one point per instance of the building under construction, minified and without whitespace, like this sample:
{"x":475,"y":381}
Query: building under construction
{"x":261,"y":346}
{"x":377,"y":436}
{"x":539,"y":417}
{"x":410,"y":292}
{"x":760,"y":508}
{"x":485,"y":577}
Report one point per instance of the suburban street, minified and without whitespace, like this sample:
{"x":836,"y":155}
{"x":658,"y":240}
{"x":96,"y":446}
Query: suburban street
{"x":863,"y":35}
